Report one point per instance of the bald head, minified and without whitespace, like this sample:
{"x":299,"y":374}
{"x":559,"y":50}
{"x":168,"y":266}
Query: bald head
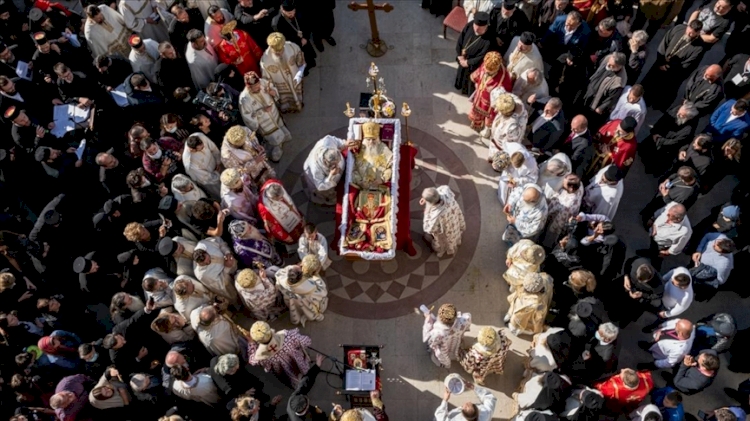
{"x":684,"y":328}
{"x":579,"y":124}
{"x":712,"y":73}
{"x":676,"y":213}
{"x":207,"y":315}
{"x":531,"y":195}
{"x":174,"y":358}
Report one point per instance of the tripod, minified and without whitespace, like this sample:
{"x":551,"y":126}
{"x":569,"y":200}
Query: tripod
{"x":339,"y":368}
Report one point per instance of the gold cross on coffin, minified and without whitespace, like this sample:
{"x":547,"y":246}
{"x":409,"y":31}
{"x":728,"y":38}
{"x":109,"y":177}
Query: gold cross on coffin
{"x":375,"y":46}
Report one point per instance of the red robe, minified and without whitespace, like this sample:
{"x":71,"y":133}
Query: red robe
{"x":620,"y":399}
{"x":243,"y":53}
{"x":482,"y":113}
{"x":621,"y":151}
{"x":272,"y":225}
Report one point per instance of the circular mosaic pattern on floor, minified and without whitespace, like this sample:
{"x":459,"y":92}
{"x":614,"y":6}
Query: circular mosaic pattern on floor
{"x":383,"y":290}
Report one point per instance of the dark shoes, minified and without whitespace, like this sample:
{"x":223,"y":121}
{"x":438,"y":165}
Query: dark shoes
{"x":331,"y":41}
{"x":319,"y":46}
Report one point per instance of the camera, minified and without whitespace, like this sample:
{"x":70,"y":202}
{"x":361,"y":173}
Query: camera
{"x":217,"y":99}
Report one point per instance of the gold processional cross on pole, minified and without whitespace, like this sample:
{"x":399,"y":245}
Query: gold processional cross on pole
{"x":375,"y":46}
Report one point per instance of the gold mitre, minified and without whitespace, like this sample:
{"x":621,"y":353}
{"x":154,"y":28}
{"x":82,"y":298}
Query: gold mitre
{"x":228,"y":27}
{"x":492,"y":61}
{"x":505,"y":104}
{"x":261,"y":332}
{"x":487,"y":336}
{"x":247,"y":278}
{"x":236,"y":136}
{"x":352,"y":415}
{"x":276,"y":41}
{"x":231,"y":178}
{"x":371,"y":130}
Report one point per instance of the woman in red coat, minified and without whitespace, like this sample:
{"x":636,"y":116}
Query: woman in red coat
{"x":239,"y":49}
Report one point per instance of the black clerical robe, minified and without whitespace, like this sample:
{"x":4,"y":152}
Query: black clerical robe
{"x":506,"y":29}
{"x":680,"y":58}
{"x":473,"y":47}
{"x":291,"y":29}
{"x":671,"y":137}
{"x":704,"y":94}
{"x":604,"y":89}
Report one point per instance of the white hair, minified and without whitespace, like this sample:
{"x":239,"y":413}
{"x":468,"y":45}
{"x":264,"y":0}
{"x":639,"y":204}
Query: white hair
{"x":608,"y":331}
{"x":225,"y":363}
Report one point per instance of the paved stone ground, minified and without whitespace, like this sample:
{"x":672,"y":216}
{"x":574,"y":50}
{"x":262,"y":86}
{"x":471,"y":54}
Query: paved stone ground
{"x":371,"y":303}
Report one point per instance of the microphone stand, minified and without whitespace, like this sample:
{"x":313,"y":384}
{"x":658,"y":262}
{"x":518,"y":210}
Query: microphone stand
{"x":336,"y":362}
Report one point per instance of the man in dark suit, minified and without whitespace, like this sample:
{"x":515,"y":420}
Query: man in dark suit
{"x":578,"y":145}
{"x":547,"y":123}
{"x":298,"y":407}
{"x":567,"y":33}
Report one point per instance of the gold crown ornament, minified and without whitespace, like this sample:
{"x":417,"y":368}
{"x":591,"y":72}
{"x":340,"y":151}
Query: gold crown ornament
{"x":371,"y":130}
{"x":276,"y":41}
{"x":261,"y":332}
{"x":236,"y":136}
{"x":505,"y":104}
{"x":487,"y":336}
{"x":247,"y":278}
{"x":352,"y":415}
{"x":228,"y":27}
{"x":492,"y":62}
{"x":231,"y":178}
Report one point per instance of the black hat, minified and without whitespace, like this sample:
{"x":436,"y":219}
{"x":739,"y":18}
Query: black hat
{"x":42,"y":153}
{"x":288,"y":5}
{"x":166,"y":246}
{"x":81,"y":265}
{"x":36,"y":15}
{"x":168,"y":203}
{"x":110,"y":207}
{"x":3,"y":154}
{"x":613,"y":173}
{"x":628,"y":124}
{"x":40,"y":38}
{"x":52,"y":217}
{"x":481,"y":18}
{"x":577,"y":328}
{"x":527,"y":38}
{"x":592,"y":400}
{"x":11,"y":112}
{"x":583,"y":309}
{"x":509,"y":4}
{"x":552,"y":380}
{"x":98,"y":218}
{"x":298,"y":404}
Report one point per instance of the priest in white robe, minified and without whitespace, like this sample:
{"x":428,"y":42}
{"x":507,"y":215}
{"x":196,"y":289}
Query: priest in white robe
{"x":212,"y":26}
{"x":143,"y":56}
{"x":190,"y":294}
{"x":105,"y":31}
{"x":146,"y":17}
{"x":471,"y":7}
{"x":315,"y":244}
{"x":306,"y":296}
{"x":284,"y":64}
{"x":204,"y":5}
{"x":259,"y":294}
{"x":215,"y":266}
{"x":181,"y":250}
{"x":509,"y":125}
{"x":523,"y":55}
{"x":201,"y":58}
{"x":323,"y":169}
{"x":202,"y":161}
{"x":630,"y":104}
{"x":443,"y":222}
{"x":552,"y":172}
{"x":260,"y":113}
{"x":443,"y":334}
{"x":520,"y":169}
{"x":238,"y":195}
{"x":183,"y":189}
{"x":219,"y":335}
{"x":604,"y":192}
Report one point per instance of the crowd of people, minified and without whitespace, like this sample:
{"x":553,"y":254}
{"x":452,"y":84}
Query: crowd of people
{"x":142,"y":213}
{"x":559,"y":94}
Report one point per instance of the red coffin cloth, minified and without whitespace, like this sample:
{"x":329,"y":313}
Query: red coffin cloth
{"x":403,"y":218}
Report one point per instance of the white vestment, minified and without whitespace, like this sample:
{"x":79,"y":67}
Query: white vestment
{"x":282,"y":70}
{"x":203,"y":390}
{"x":204,"y":5}
{"x":507,"y":129}
{"x":219,"y":338}
{"x":526,"y":173}
{"x":601,"y":198}
{"x":146,"y":62}
{"x":444,"y":341}
{"x":136,"y":12}
{"x":524,"y":90}
{"x":201,"y":166}
{"x":479,"y":5}
{"x":202,"y":64}
{"x":317,"y":173}
{"x":317,"y":247}
{"x":541,"y":357}
{"x":623,"y":109}
{"x":260,"y":113}
{"x":307,"y":299}
{"x":218,"y":278}
{"x":109,"y":37}
{"x":184,"y":261}
{"x":195,"y":194}
{"x":201,"y":296}
{"x":241,"y":205}
{"x":517,"y":62}
{"x":212,"y":30}
{"x":552,"y":183}
{"x":486,"y":408}
{"x":444,"y":222}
